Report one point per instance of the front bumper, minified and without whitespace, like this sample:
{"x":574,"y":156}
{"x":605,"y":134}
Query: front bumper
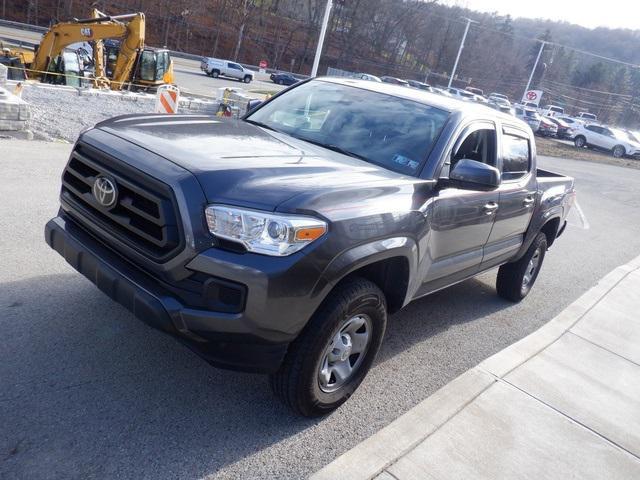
{"x":227,"y":340}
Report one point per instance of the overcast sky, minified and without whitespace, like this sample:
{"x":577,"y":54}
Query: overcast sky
{"x":588,"y":13}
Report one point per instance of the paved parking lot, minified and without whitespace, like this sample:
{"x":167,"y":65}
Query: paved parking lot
{"x":191,"y":79}
{"x":87,"y":391}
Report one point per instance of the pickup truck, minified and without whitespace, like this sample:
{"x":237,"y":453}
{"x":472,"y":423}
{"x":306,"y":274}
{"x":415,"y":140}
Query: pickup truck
{"x":280,"y":242}
{"x":214,"y":67}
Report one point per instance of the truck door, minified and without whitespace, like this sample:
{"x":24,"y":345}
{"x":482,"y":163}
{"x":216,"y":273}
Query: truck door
{"x":517,"y":197}
{"x":461,"y":219}
{"x":235,"y":70}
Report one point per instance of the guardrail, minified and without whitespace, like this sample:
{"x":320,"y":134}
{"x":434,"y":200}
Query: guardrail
{"x":22,"y":26}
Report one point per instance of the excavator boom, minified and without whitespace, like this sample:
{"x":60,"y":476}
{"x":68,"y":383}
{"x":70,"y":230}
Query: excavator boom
{"x":96,"y":29}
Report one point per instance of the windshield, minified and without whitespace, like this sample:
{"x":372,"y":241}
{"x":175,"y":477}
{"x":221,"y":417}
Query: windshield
{"x":619,"y":134}
{"x":389,"y":131}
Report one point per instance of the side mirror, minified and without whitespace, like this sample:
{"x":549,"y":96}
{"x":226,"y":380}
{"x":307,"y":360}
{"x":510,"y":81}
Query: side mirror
{"x":253,"y":104}
{"x":474,"y":175}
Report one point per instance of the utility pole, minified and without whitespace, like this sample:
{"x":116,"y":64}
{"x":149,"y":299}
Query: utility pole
{"x":542,"y":43}
{"x":464,"y":37}
{"x":323,"y":31}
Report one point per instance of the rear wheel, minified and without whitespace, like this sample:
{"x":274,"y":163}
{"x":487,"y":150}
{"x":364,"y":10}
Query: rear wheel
{"x":333,"y":354}
{"x":618,"y":151}
{"x":579,"y":141}
{"x":516,"y":279}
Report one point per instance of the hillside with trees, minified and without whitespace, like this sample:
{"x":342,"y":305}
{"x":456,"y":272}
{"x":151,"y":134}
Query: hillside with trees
{"x":405,"y":38}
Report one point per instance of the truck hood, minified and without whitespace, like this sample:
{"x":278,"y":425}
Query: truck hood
{"x":240,"y":164}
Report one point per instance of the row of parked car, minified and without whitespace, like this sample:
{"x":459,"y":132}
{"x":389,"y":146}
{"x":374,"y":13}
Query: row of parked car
{"x":548,"y":120}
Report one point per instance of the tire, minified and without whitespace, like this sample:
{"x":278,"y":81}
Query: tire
{"x":280,"y":82}
{"x":214,"y":73}
{"x":299,"y":383}
{"x":580,"y":141}
{"x":247,"y":79}
{"x":618,"y":151}
{"x":516,"y":279}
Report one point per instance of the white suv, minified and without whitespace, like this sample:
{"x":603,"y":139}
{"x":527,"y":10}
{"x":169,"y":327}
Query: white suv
{"x":215,"y":68}
{"x":606,"y":138}
{"x":551,"y":111}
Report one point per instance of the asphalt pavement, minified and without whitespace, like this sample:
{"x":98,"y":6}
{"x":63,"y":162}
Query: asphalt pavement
{"x":87,"y":391}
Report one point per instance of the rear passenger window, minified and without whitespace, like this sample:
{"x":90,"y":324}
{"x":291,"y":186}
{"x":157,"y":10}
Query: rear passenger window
{"x":516,"y":157}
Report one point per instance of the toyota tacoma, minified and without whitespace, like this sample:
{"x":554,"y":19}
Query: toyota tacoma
{"x":280,"y":242}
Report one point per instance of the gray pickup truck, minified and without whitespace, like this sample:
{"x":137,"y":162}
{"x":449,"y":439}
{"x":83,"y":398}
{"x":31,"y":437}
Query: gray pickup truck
{"x":280,"y":243}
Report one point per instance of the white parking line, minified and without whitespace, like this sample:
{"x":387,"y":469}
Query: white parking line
{"x":583,"y":218}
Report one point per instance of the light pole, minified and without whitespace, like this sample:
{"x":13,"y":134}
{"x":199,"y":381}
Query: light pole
{"x":464,"y":37}
{"x":323,"y":31}
{"x":533,"y":70}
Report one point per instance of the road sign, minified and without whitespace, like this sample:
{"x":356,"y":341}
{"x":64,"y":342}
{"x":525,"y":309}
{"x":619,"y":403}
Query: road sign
{"x":533,"y":96}
{"x":263,"y":64}
{"x":167,"y":99}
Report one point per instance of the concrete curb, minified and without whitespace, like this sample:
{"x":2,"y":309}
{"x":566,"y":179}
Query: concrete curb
{"x":374,"y":454}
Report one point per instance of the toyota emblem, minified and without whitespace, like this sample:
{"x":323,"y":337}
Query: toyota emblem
{"x":105,"y":191}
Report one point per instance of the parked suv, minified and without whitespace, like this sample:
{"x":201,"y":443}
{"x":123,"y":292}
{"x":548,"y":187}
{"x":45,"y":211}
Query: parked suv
{"x":280,"y":243}
{"x":461,"y":94}
{"x":551,"y":111}
{"x":606,"y":138}
{"x":586,"y":116}
{"x":215,"y":68}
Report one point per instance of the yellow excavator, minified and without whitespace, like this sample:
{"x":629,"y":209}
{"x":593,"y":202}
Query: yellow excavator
{"x":129,"y":63}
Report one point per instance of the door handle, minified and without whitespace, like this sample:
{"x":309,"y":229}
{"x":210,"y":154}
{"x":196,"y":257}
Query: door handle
{"x":528,"y":201}
{"x":490,"y":208}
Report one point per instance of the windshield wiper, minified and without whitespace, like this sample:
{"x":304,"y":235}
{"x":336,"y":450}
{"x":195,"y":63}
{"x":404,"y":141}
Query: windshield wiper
{"x":260,"y":124}
{"x":335,"y":148}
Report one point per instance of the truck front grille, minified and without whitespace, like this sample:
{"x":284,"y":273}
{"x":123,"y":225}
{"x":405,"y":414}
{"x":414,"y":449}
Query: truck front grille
{"x":144,"y":216}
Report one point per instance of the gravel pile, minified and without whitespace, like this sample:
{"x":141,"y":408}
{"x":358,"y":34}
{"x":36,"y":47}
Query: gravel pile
{"x":60,"y":113}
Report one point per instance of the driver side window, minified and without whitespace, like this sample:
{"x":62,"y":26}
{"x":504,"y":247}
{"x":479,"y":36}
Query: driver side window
{"x":478,"y":145}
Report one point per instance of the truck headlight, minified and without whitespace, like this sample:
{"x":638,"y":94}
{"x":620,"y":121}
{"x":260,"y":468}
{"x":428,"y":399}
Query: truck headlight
{"x":261,"y":232}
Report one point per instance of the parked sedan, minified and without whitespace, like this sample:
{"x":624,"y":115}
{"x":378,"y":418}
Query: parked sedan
{"x":283,"y":78}
{"x":564,"y":129}
{"x":420,"y":85}
{"x":546,"y":128}
{"x":394,"y":80}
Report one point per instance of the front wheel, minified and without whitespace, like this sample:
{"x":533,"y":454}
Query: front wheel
{"x":516,"y":279}
{"x":215,"y":73}
{"x":580,"y":141}
{"x":333,"y":354}
{"x":247,"y":79}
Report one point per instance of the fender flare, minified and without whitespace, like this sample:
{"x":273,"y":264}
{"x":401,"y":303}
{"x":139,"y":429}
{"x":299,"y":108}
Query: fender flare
{"x":355,"y":258}
{"x":554,"y":212}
